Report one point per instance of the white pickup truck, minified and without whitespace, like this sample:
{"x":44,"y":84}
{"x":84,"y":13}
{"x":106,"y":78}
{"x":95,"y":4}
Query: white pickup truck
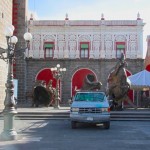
{"x":90,"y":107}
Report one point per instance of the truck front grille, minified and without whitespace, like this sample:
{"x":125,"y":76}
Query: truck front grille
{"x":90,"y":110}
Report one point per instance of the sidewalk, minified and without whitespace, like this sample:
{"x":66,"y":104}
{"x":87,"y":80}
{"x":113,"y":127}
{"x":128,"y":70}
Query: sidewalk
{"x":67,"y":109}
{"x":40,"y":109}
{"x":43,"y":109}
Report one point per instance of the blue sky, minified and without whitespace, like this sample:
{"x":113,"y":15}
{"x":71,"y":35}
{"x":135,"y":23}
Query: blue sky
{"x":92,"y":10}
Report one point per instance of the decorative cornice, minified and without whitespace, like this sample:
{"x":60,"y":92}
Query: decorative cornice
{"x":87,"y":22}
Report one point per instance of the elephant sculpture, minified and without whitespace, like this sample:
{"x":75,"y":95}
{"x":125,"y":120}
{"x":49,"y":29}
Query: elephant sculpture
{"x":118,"y":85}
{"x":90,"y":83}
{"x":40,"y":95}
{"x":52,"y":92}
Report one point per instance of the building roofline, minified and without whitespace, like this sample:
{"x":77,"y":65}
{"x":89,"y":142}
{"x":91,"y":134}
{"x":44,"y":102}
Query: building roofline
{"x":86,"y":22}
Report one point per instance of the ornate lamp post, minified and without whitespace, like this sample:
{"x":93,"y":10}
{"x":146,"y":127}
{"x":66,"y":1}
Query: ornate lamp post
{"x":9,"y":111}
{"x":57,"y":74}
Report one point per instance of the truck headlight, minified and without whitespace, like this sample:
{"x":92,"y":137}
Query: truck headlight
{"x":75,"y":109}
{"x":105,"y":110}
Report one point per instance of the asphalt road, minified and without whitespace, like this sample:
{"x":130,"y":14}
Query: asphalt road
{"x":58,"y":135}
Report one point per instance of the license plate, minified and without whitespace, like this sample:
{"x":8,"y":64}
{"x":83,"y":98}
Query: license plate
{"x":90,"y":118}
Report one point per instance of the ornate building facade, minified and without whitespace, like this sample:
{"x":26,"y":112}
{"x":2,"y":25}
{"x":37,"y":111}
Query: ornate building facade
{"x":147,"y":58}
{"x":5,"y":20}
{"x":82,"y":47}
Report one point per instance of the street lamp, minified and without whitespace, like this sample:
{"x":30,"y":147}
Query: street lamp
{"x":9,"y":111}
{"x":57,"y":74}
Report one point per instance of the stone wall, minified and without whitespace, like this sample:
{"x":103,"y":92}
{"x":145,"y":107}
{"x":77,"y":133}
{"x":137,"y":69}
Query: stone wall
{"x":21,"y":28}
{"x":101,"y":68}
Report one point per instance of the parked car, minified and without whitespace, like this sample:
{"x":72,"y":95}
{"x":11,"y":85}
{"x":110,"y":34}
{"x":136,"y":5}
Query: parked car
{"x":90,"y":107}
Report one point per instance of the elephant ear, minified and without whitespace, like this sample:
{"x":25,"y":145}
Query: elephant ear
{"x":90,"y":83}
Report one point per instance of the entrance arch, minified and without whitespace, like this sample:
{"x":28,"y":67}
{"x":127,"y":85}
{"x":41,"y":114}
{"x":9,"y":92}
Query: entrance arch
{"x":78,"y":78}
{"x":148,"y":67}
{"x":46,"y":75}
{"x":130,"y":93}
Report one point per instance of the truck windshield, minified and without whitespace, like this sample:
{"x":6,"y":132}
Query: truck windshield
{"x":92,"y":97}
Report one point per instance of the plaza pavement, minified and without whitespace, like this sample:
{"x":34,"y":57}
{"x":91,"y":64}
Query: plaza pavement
{"x":58,"y":135}
{"x":31,"y":131}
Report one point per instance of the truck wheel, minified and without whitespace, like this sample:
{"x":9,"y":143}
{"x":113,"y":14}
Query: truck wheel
{"x":107,"y":125}
{"x":73,"y":124}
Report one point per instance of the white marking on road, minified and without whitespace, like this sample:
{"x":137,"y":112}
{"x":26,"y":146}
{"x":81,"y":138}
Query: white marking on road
{"x":33,"y":139}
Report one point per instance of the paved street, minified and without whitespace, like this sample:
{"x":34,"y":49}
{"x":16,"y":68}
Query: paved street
{"x":58,"y":135}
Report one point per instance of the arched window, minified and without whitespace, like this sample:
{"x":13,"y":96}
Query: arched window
{"x":48,"y":49}
{"x":120,"y":48}
{"x":84,"y":50}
